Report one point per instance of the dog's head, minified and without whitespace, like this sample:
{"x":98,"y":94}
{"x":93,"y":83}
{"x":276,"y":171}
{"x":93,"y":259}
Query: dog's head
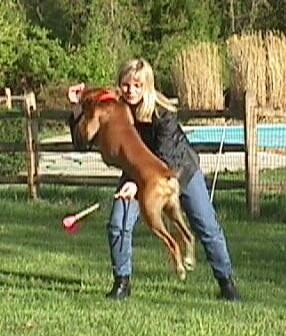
{"x":94,"y":106}
{"x":98,"y":95}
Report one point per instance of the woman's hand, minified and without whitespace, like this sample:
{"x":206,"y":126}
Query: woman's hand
{"x":74,"y":92}
{"x":128,"y":191}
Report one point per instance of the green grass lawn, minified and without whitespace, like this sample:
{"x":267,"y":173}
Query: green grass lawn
{"x":54,"y":284}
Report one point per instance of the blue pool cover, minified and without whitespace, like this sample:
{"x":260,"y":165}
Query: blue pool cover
{"x":269,"y":136}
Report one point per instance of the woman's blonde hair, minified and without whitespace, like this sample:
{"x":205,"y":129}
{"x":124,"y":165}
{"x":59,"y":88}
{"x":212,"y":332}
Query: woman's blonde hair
{"x":140,"y":68}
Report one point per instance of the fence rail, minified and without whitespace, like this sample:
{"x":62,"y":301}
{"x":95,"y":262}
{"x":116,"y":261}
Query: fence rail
{"x":32,"y":147}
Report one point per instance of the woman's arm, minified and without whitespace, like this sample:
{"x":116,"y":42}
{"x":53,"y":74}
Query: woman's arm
{"x":172,"y":146}
{"x":74,"y":93}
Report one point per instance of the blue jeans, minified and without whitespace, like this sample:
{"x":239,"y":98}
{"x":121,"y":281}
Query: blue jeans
{"x":201,"y":216}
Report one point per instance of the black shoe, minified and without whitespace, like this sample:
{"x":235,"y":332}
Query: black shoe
{"x":121,"y":288}
{"x":228,"y":291}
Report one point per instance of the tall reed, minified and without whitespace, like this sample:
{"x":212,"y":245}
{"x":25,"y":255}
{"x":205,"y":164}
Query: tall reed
{"x":196,"y":73}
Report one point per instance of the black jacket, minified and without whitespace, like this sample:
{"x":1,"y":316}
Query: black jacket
{"x":165,"y":138}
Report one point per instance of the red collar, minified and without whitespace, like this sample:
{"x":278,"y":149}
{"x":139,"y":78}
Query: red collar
{"x":106,"y":96}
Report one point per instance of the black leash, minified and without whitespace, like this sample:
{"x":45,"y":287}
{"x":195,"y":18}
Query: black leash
{"x":124,"y":220}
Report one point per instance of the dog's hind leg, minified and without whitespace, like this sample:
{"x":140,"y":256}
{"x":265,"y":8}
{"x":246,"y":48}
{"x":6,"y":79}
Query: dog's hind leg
{"x":187,"y":238}
{"x":152,"y":214}
{"x":174,"y":212}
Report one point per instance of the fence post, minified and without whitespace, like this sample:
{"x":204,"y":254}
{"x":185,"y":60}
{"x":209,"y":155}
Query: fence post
{"x":251,"y":154}
{"x":8,"y":98}
{"x":32,"y":154}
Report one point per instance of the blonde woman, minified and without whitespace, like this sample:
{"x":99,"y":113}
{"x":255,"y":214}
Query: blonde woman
{"x":156,"y":121}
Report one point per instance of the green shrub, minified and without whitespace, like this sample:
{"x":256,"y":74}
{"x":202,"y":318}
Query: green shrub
{"x":12,"y":131}
{"x":11,"y":36}
{"x":92,"y":64}
{"x":41,"y":60}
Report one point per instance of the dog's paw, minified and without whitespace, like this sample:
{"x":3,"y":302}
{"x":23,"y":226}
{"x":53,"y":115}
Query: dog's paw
{"x":182,"y":273}
{"x":189,"y":263}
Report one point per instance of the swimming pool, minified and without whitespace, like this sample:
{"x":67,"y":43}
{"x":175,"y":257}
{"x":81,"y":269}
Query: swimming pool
{"x":269,"y":135}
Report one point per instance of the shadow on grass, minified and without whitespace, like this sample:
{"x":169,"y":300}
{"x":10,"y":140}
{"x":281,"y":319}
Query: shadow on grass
{"x":273,"y":207}
{"x":233,"y":205}
{"x":47,"y":282}
{"x":54,"y":193}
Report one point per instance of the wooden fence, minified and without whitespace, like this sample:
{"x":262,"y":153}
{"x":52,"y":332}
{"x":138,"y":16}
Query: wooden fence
{"x":33,"y":147}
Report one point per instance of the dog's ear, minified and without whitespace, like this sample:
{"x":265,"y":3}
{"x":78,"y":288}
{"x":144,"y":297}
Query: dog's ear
{"x":92,"y":123}
{"x":87,"y":95}
{"x":88,"y":99}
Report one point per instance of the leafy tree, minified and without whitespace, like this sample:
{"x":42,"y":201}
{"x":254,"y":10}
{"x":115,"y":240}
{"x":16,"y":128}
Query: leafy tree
{"x":272,"y":15}
{"x":64,"y":40}
{"x":65,"y":19}
{"x":243,"y":15}
{"x":12,"y":34}
{"x":172,"y":25}
{"x":40,"y":60}
{"x":106,"y":41}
